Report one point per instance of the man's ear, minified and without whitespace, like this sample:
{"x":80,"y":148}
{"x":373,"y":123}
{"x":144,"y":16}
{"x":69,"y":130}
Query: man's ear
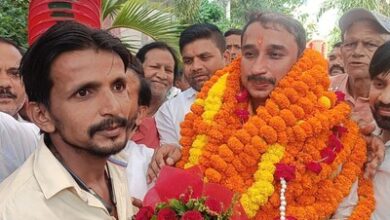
{"x":141,"y":114}
{"x":40,"y":116}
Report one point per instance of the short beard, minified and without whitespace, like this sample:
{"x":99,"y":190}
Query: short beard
{"x":98,"y":151}
{"x":92,"y":148}
{"x":382,"y":121}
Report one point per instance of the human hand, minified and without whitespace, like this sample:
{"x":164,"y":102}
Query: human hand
{"x":375,"y":150}
{"x":136,"y":202}
{"x":164,"y":155}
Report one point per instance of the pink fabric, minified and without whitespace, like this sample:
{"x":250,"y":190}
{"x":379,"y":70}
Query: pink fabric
{"x":361,"y":111}
{"x":147,"y":133}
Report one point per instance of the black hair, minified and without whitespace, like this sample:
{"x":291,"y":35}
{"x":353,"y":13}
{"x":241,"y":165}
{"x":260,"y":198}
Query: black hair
{"x":273,"y":19}
{"x":144,"y":94}
{"x":162,"y":46}
{"x":202,"y":31}
{"x":12,"y":43}
{"x":233,"y":31}
{"x":380,"y":62}
{"x":63,"y":37}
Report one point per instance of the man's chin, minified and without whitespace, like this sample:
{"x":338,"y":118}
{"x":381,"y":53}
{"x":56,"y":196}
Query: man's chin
{"x":108,"y":150}
{"x":382,"y":121}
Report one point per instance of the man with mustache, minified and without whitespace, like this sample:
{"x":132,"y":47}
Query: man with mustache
{"x":13,"y":151}
{"x":82,"y":106}
{"x":202,"y":47}
{"x":233,"y":45}
{"x":379,"y":99}
{"x":335,"y":60}
{"x":12,"y":94}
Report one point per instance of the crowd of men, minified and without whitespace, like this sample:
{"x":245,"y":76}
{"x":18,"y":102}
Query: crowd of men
{"x":85,"y":125}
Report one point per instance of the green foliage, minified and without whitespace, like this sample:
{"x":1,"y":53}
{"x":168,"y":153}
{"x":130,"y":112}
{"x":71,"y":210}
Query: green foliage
{"x":13,"y":20}
{"x":381,"y":6}
{"x":140,"y":15}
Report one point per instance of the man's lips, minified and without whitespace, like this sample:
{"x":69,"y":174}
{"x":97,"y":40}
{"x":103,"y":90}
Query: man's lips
{"x":111,"y":132}
{"x":357,"y":64}
{"x":383,"y":111}
{"x":201,"y":77}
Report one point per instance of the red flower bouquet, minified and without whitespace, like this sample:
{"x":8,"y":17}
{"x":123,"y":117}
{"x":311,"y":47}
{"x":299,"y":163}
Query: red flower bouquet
{"x":181,"y":194}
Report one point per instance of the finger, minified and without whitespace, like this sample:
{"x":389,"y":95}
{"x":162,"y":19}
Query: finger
{"x":367,"y":129}
{"x":174,"y":156}
{"x":136,"y":202}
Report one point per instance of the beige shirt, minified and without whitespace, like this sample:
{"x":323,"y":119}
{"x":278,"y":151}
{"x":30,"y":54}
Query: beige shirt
{"x":43,"y":189}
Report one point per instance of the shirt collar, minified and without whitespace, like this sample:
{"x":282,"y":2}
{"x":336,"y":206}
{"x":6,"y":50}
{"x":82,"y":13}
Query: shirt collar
{"x":51,"y":176}
{"x":190,"y":93}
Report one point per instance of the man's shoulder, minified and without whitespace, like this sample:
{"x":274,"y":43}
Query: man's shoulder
{"x":19,"y":187}
{"x":177,"y":102}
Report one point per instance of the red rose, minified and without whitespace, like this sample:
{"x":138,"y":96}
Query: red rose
{"x":314,"y":167}
{"x":335,"y":143}
{"x":192,"y":215}
{"x":340,"y":96}
{"x":185,"y":197}
{"x":285,"y":171}
{"x":145,"y":213}
{"x":328,"y":155}
{"x":213,"y":205}
{"x":166,"y":214}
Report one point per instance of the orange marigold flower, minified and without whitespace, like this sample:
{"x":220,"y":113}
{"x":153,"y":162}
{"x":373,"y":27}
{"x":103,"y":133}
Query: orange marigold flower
{"x":252,"y":130}
{"x":243,"y":136}
{"x":280,"y":100}
{"x":235,"y":145}
{"x":292,"y":95}
{"x":297,"y":111}
{"x":263,"y":114}
{"x":225,"y":152}
{"x":277,"y":123}
{"x":288,"y":117}
{"x":272,"y":107}
{"x":269,"y":134}
{"x":218,"y":163}
{"x":212,"y":175}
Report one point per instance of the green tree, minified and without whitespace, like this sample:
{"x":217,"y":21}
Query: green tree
{"x":13,"y":20}
{"x":151,"y":19}
{"x":343,"y":6}
{"x":382,"y":6}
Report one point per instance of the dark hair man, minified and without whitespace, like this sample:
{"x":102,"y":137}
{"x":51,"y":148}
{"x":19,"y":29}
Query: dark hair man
{"x":335,"y":60}
{"x":76,"y":81}
{"x":202,"y":47}
{"x":272,"y":46}
{"x":160,"y":67}
{"x":12,"y":94}
{"x":233,"y":45}
{"x":379,"y":99}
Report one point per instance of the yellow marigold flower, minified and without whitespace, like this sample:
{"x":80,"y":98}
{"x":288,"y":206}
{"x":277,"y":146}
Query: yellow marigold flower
{"x":325,"y":101}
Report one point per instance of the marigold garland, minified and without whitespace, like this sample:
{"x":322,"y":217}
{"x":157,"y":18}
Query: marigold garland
{"x":299,"y":115}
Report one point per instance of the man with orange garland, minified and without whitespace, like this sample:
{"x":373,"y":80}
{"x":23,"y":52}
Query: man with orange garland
{"x":267,"y":123}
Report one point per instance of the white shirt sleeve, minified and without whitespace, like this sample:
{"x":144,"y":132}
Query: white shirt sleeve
{"x":139,"y":157}
{"x":166,"y":126}
{"x":17,"y":142}
{"x":347,"y":206}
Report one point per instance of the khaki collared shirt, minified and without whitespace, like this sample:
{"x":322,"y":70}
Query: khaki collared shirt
{"x":43,"y":189}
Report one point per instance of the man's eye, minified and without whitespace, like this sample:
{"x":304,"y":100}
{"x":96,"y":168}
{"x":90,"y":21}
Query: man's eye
{"x":82,"y":92}
{"x":119,"y":86}
{"x":276,"y":55}
{"x":14,"y":73}
{"x":187,"y":61}
{"x":248,"y":54}
{"x":378,"y":84}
